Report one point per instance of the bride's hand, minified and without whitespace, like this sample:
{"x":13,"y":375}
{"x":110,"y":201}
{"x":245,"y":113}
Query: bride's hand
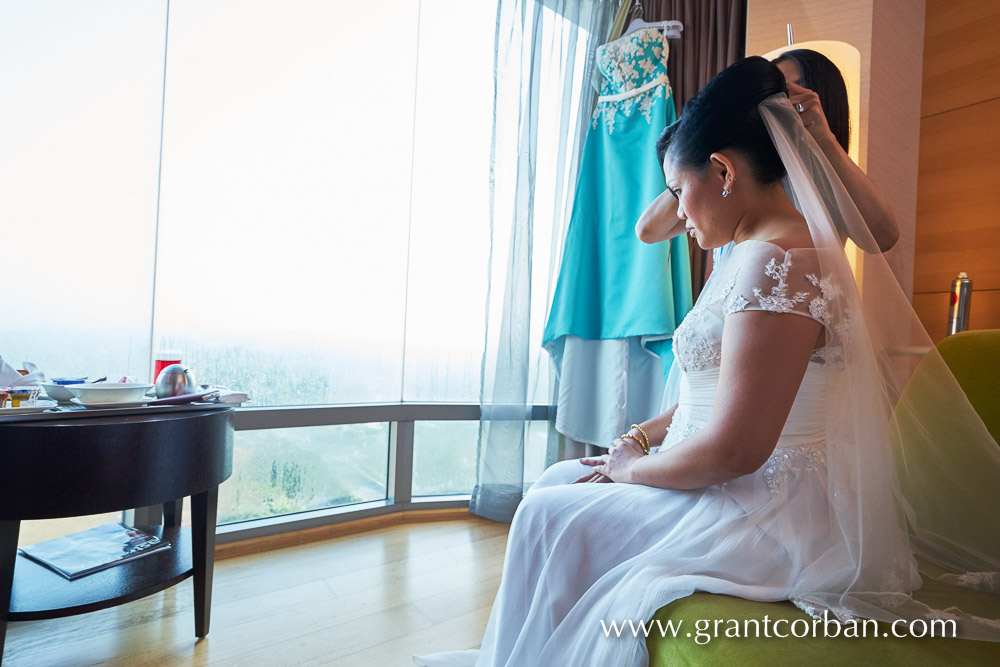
{"x":616,"y":465}
{"x":592,"y":477}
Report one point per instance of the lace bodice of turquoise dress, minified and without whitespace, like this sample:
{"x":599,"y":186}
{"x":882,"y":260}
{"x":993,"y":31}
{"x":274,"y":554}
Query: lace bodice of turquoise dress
{"x":612,"y":287}
{"x":634,"y":68}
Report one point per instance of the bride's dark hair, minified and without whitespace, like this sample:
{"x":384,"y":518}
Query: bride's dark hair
{"x":724,"y":116}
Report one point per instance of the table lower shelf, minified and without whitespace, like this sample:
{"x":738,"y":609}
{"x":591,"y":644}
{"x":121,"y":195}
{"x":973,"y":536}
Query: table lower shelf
{"x":40,"y":593}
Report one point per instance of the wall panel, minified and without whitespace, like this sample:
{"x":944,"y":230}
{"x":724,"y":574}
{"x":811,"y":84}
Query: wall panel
{"x":932,"y":309}
{"x":961,"y":58}
{"x":958,"y":199}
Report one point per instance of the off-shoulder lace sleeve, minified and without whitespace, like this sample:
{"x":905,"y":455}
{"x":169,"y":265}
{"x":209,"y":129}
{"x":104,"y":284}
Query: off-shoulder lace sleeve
{"x":780,"y":281}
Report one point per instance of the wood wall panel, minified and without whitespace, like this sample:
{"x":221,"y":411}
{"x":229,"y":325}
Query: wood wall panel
{"x":958,"y":199}
{"x":958,"y":202}
{"x":987,"y":314}
{"x":961,"y":58}
{"x":932,"y":309}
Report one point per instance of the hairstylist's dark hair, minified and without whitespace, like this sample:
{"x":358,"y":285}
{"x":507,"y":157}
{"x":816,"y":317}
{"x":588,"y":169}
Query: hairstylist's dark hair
{"x":724,"y":116}
{"x":820,"y":75}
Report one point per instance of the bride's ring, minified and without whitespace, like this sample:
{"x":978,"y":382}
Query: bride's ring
{"x":799,"y":107}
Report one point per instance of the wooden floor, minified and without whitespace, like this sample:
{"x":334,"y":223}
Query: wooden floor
{"x":367,"y":599}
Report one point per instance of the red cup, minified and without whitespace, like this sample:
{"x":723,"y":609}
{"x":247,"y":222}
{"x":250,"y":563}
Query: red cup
{"x":163,"y":359}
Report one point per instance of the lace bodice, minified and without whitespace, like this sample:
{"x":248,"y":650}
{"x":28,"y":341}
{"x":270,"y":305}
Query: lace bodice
{"x":634,"y":71}
{"x":756,"y":276}
{"x":632,"y":61}
{"x":759,"y":276}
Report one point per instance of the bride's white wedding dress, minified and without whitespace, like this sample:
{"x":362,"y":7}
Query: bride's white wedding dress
{"x":582,"y":553}
{"x":861,"y":477}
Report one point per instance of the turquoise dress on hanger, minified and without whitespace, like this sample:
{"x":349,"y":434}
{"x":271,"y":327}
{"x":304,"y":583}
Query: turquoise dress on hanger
{"x":617,"y":300}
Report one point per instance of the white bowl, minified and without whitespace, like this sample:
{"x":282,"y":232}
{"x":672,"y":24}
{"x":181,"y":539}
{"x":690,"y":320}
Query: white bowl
{"x":109,"y":392}
{"x":57,"y":392}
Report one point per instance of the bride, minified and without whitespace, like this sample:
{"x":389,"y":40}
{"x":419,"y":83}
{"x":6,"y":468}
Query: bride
{"x":782,"y":473}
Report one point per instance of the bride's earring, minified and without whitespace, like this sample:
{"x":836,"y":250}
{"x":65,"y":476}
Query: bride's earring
{"x":725,"y":193}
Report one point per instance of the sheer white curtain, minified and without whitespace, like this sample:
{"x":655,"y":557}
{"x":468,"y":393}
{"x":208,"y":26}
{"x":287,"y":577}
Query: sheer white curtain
{"x":542,"y":100}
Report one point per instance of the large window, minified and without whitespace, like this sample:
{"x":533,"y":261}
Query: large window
{"x":444,"y":457}
{"x":315,"y":230}
{"x":325,"y":175}
{"x":284,"y":471}
{"x":319,"y":229}
{"x":294,"y":194}
{"x":79,"y":140}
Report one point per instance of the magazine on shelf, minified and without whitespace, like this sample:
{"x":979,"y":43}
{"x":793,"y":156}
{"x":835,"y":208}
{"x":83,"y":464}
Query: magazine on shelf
{"x":89,"y":551}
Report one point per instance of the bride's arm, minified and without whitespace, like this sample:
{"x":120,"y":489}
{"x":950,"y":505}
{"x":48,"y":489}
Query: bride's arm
{"x":659,"y":221}
{"x":764,"y":357}
{"x":656,"y":428}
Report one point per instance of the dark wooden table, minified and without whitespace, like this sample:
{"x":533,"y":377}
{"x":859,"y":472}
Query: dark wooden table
{"x":76,"y":465}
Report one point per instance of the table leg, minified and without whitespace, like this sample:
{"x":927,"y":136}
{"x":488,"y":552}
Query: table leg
{"x":148,"y":516}
{"x":172,"y":511}
{"x":8,"y":557}
{"x":204,"y":510}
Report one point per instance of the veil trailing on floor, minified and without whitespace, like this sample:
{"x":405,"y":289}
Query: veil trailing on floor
{"x":912,"y":468}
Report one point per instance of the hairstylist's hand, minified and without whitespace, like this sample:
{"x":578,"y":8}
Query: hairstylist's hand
{"x":616,"y":465}
{"x":812,"y":112}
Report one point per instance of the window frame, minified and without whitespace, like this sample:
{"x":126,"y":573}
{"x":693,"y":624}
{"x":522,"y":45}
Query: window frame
{"x":401,"y":418}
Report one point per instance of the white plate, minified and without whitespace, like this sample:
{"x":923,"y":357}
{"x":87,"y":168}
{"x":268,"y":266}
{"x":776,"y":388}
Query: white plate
{"x":108,"y":392}
{"x":107,"y":406}
{"x":40,"y":406}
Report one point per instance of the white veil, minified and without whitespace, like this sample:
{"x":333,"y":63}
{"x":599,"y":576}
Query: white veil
{"x":912,"y":468}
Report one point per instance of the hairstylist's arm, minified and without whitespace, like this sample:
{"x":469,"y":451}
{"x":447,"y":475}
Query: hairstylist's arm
{"x":871,"y":204}
{"x":659,"y":221}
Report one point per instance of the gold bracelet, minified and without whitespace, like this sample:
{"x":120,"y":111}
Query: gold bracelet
{"x":644,"y":436}
{"x":638,"y":441}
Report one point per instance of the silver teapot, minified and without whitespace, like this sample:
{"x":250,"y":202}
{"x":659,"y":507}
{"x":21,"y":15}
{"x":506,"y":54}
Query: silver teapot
{"x":175,"y":380}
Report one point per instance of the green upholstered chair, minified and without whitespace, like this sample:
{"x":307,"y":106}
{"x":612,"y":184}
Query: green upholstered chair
{"x":974,"y":358}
